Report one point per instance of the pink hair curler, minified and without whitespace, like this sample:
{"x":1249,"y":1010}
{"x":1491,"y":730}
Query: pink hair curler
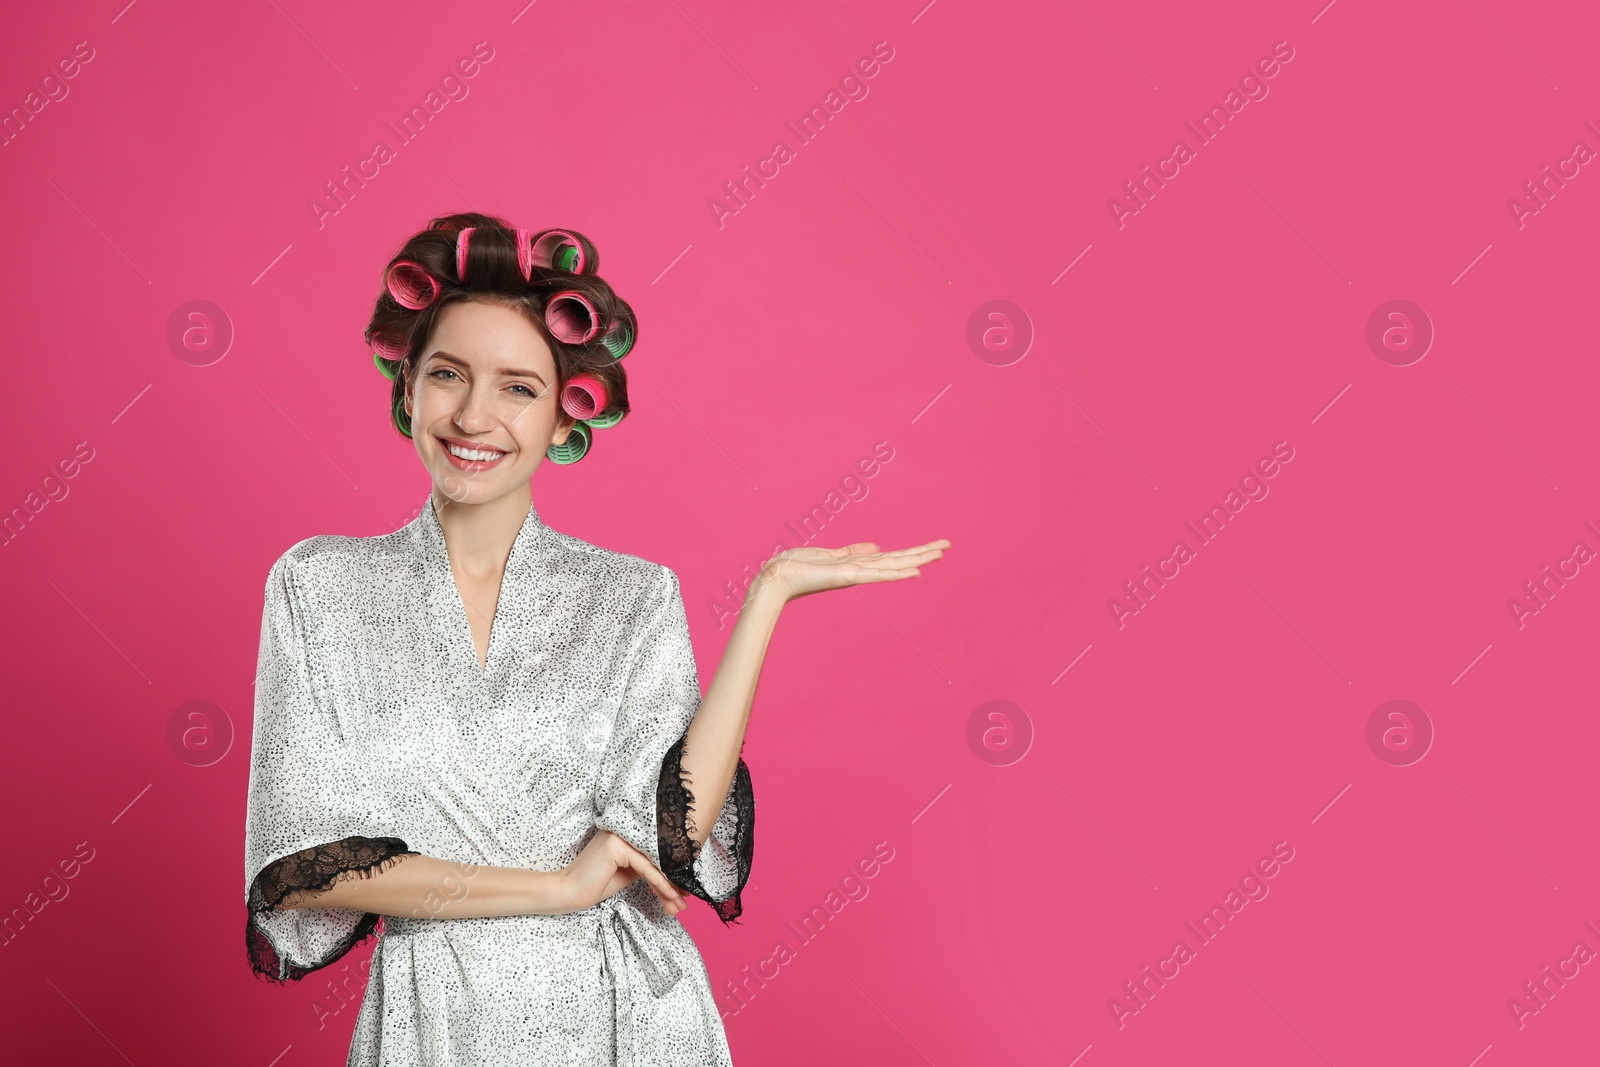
{"x":583,"y":397}
{"x":571,"y":318}
{"x":387,"y":349}
{"x":559,"y":250}
{"x":525,"y":254}
{"x":411,"y":285}
{"x":461,"y":251}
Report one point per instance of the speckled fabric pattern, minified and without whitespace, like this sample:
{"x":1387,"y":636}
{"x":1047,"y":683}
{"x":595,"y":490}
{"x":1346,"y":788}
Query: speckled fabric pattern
{"x":377,"y":733}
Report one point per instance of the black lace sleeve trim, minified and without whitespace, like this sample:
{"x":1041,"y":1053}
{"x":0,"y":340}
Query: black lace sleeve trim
{"x":674,"y":824}
{"x":293,"y":878}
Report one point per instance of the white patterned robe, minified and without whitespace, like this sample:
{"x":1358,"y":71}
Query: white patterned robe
{"x":377,"y":734}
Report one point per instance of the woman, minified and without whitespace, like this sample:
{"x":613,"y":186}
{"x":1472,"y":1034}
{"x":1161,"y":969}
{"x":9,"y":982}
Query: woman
{"x":491,"y":733}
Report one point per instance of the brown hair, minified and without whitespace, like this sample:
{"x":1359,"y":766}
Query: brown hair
{"x":494,"y":275}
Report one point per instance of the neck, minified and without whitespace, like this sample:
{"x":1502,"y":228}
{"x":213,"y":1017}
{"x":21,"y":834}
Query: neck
{"x":479,"y":536}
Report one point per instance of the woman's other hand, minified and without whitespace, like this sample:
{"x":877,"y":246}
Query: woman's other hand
{"x":608,"y":865}
{"x":799,"y":572}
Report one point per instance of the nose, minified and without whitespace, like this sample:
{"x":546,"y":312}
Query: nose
{"x":474,"y":416}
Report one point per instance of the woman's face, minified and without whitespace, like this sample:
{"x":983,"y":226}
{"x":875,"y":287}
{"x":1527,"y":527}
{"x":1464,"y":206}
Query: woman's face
{"x":485,"y":385}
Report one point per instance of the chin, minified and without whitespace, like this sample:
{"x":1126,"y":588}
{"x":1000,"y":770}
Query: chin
{"x":465,"y":488}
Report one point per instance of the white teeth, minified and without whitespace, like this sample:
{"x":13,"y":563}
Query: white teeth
{"x":472,"y":453}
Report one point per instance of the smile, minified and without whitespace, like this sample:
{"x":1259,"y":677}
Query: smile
{"x":472,"y":459}
{"x":473,"y":453}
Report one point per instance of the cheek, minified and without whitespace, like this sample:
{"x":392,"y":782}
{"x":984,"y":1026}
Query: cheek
{"x":428,"y":400}
{"x":530,"y":422}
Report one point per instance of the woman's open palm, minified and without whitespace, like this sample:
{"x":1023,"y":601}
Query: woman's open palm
{"x":799,"y":572}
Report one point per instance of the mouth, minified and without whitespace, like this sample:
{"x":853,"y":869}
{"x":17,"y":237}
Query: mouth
{"x":466,"y":456}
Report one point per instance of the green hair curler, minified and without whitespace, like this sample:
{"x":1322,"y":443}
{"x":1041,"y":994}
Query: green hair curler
{"x":402,"y":421}
{"x":574,"y":448}
{"x":602,"y":422}
{"x":619,"y":339}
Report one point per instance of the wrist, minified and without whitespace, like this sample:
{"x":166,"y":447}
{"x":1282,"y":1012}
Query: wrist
{"x":764,"y":594}
{"x":554,"y":893}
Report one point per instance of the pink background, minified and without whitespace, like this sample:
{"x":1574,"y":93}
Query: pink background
{"x":829,"y":314}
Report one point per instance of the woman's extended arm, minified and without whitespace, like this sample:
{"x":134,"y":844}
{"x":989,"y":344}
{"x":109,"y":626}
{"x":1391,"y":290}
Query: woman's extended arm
{"x":425,"y":887}
{"x":715,"y":736}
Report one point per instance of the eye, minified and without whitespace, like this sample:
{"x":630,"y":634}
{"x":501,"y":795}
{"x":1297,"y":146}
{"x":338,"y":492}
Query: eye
{"x":441,"y":370}
{"x":525,"y":390}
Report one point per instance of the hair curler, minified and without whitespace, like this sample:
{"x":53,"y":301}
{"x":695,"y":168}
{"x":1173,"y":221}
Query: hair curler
{"x":618,"y":339}
{"x":383,"y":365}
{"x":525,"y":254}
{"x":461,"y":251}
{"x":601,"y":422}
{"x":384,"y":348}
{"x":402,"y":421}
{"x":558,"y":250}
{"x":571,"y":318}
{"x":584,"y":396}
{"x":411,"y":285}
{"x":574,"y":448}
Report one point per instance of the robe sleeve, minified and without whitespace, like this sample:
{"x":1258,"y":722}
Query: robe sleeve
{"x":314,"y":814}
{"x":641,"y":795}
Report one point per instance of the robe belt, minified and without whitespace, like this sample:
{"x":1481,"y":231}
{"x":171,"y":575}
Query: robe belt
{"x":624,"y":932}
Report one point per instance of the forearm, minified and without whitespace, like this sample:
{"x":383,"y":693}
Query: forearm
{"x":428,"y":888}
{"x":716,"y":734}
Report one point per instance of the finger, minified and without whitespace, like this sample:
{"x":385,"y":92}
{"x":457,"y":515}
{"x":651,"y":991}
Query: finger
{"x":859,"y":548}
{"x":673,"y":901}
{"x":931,"y":549}
{"x":881,"y":574}
{"x":913,"y":559}
{"x":658,"y":881}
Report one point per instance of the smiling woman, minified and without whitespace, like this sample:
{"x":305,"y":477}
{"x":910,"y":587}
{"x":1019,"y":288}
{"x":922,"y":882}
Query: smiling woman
{"x":417,"y":694}
{"x":488,"y":734}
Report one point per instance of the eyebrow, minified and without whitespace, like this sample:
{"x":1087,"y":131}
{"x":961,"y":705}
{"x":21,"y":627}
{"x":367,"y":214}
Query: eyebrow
{"x":514,"y":372}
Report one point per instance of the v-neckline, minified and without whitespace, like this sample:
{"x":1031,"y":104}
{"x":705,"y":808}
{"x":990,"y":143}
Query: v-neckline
{"x":438,"y":553}
{"x":494,"y":620}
